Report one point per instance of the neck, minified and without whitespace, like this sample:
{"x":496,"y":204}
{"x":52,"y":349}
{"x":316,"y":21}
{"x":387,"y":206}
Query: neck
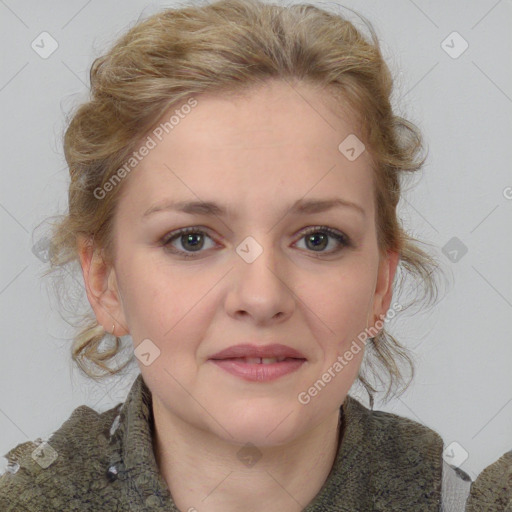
{"x":203,"y":471}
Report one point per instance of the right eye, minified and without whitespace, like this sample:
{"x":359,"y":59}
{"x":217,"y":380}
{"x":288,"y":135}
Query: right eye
{"x":191,"y":240}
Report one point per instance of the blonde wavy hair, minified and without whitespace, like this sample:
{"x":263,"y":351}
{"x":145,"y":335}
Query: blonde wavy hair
{"x":225,"y":47}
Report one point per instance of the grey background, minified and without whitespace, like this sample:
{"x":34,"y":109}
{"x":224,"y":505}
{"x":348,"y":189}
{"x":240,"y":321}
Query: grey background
{"x":463,"y":385}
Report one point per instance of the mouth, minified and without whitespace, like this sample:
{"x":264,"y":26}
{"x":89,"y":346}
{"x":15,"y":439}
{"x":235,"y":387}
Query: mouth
{"x":256,"y":354}
{"x":259,"y":364}
{"x":259,"y":360}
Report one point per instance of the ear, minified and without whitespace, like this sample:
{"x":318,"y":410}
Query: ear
{"x":384,"y":286}
{"x":101,"y":287}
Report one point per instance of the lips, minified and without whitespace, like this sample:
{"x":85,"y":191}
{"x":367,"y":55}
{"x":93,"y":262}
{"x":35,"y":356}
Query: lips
{"x":255,"y":354}
{"x":259,"y":364}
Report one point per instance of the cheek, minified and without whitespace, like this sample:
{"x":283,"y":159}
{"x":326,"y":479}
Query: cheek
{"x":162,"y":304}
{"x":341,"y":302}
{"x":146,"y":294}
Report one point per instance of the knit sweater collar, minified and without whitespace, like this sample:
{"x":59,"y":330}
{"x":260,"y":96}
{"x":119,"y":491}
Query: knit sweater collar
{"x":384,"y":462}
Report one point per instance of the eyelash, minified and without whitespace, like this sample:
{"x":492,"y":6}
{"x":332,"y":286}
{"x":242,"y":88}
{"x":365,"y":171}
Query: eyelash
{"x":342,"y":239}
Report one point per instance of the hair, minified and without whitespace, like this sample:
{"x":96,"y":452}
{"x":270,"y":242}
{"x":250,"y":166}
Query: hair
{"x":231,"y":47}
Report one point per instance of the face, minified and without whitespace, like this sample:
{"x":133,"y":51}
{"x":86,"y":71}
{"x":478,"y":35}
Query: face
{"x":259,"y":271}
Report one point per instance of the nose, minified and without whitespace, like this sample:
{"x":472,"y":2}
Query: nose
{"x":261,"y":290}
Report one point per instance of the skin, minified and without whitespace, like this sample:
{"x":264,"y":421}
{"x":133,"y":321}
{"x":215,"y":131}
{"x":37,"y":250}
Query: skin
{"x":257,"y":155}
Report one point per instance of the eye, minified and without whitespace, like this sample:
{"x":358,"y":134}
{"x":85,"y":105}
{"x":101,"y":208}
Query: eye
{"x":191,"y":240}
{"x":317,"y":239}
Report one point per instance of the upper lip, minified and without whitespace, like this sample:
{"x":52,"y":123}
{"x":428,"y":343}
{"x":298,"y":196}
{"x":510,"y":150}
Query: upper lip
{"x":267,"y":351}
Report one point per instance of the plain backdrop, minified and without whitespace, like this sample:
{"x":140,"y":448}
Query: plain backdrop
{"x":461,"y":98}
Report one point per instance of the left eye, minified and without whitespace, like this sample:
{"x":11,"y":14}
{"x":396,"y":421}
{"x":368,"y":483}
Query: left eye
{"x":192,"y":240}
{"x":318,"y":237}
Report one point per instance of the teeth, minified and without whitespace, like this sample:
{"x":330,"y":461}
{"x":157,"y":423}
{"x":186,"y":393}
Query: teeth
{"x":252,"y":360}
{"x":263,"y":360}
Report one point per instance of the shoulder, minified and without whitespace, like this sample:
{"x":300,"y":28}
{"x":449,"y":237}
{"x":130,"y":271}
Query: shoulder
{"x":46,"y":475}
{"x":396,"y":435}
{"x":492,"y":490}
{"x":403,"y":458}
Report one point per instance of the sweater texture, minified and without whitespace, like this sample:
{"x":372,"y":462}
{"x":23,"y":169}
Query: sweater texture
{"x":106,"y":461}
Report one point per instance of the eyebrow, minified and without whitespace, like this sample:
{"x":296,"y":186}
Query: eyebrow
{"x":301,"y":207}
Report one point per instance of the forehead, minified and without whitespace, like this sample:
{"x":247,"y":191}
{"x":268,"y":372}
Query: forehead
{"x":274,"y":114}
{"x":273,"y":141}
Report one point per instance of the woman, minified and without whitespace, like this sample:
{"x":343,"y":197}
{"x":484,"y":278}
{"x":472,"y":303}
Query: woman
{"x":234,"y":183}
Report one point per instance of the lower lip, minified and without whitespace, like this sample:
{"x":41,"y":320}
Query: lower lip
{"x":259,"y":372}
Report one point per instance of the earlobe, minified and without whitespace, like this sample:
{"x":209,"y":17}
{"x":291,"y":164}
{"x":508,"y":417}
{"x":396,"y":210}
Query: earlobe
{"x":101,"y":288}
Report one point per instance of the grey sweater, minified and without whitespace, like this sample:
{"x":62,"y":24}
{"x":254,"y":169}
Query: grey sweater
{"x":105,"y":462}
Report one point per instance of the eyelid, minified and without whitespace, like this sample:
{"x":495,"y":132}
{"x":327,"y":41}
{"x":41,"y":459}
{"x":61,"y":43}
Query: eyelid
{"x":331,"y":231}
